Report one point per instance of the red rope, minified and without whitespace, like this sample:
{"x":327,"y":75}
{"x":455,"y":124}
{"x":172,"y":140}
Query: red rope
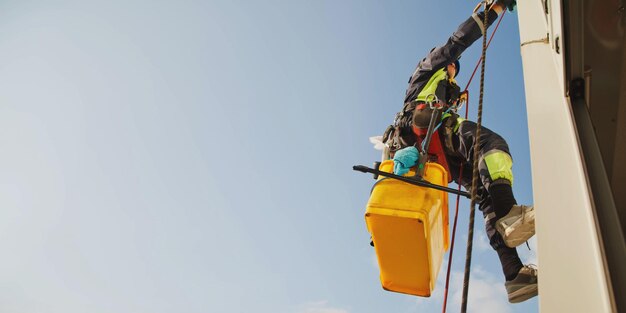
{"x":481,"y":58}
{"x":458,"y":197}
{"x":456,"y":217}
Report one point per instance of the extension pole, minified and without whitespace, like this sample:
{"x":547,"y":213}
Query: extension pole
{"x":415,"y":180}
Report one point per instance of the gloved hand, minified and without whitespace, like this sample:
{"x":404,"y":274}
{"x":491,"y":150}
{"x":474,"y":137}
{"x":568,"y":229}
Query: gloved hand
{"x":509,"y":4}
{"x":404,"y":159}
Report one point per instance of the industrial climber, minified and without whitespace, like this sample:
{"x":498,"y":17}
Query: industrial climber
{"x":432,"y":88}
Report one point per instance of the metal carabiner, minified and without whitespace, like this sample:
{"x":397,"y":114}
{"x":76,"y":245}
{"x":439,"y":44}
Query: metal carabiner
{"x":462,"y":101}
{"x":433,"y":102}
{"x":487,"y":3}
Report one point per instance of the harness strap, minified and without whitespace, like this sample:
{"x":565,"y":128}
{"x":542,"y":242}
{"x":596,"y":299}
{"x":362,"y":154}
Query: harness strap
{"x":450,"y":126}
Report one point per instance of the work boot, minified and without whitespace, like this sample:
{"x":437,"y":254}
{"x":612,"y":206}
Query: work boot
{"x":517,"y":226}
{"x":523,"y":286}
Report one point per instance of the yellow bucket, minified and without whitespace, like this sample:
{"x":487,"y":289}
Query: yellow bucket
{"x":409,"y":228}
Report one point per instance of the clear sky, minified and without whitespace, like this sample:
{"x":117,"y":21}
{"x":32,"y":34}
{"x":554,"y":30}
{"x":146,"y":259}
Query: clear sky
{"x":195,"y":156}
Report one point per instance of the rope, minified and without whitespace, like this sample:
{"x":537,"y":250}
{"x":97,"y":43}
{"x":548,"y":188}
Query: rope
{"x":481,"y":58}
{"x":470,"y":233}
{"x":458,"y":197}
{"x":456,"y":217}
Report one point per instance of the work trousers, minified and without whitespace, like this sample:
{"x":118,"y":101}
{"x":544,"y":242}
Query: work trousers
{"x":495,"y":167}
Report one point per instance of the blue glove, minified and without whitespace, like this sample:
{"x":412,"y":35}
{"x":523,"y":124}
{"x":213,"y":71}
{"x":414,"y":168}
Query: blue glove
{"x":404,"y":159}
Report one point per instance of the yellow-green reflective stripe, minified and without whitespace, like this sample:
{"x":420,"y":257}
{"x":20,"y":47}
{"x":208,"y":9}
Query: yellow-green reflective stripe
{"x":458,"y":123}
{"x":499,"y":164}
{"x":459,"y":120}
{"x":431,"y":85}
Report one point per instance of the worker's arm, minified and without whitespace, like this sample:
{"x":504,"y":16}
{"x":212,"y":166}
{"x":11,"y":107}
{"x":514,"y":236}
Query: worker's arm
{"x":467,"y":33}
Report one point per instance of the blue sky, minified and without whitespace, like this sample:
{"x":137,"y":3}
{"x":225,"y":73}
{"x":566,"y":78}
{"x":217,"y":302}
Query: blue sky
{"x":195,"y":156}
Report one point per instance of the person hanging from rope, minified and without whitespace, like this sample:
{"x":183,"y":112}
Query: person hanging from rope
{"x":431,"y":87}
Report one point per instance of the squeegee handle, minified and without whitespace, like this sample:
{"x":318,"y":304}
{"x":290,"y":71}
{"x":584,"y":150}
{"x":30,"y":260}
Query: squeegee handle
{"x":410,"y":180}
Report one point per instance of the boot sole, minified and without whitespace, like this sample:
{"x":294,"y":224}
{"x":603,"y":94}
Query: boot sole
{"x":523,"y":294}
{"x":519,"y":232}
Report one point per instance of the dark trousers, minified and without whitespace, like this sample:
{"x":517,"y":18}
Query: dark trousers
{"x":491,"y":202}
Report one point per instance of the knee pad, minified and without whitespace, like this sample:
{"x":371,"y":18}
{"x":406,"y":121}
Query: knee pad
{"x":496,"y":167}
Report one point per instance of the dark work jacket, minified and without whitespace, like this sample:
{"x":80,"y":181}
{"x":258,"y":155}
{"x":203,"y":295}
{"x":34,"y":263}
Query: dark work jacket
{"x":468,"y":32}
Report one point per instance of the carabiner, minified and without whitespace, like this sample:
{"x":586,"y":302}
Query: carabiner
{"x":462,"y":100}
{"x":433,"y":102}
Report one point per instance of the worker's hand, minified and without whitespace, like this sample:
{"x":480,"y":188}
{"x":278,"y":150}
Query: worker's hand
{"x":509,"y":4}
{"x":404,"y":159}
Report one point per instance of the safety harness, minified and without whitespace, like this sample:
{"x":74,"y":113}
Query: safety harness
{"x":437,"y":102}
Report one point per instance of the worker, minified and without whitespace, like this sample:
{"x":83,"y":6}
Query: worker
{"x":433,"y":85}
